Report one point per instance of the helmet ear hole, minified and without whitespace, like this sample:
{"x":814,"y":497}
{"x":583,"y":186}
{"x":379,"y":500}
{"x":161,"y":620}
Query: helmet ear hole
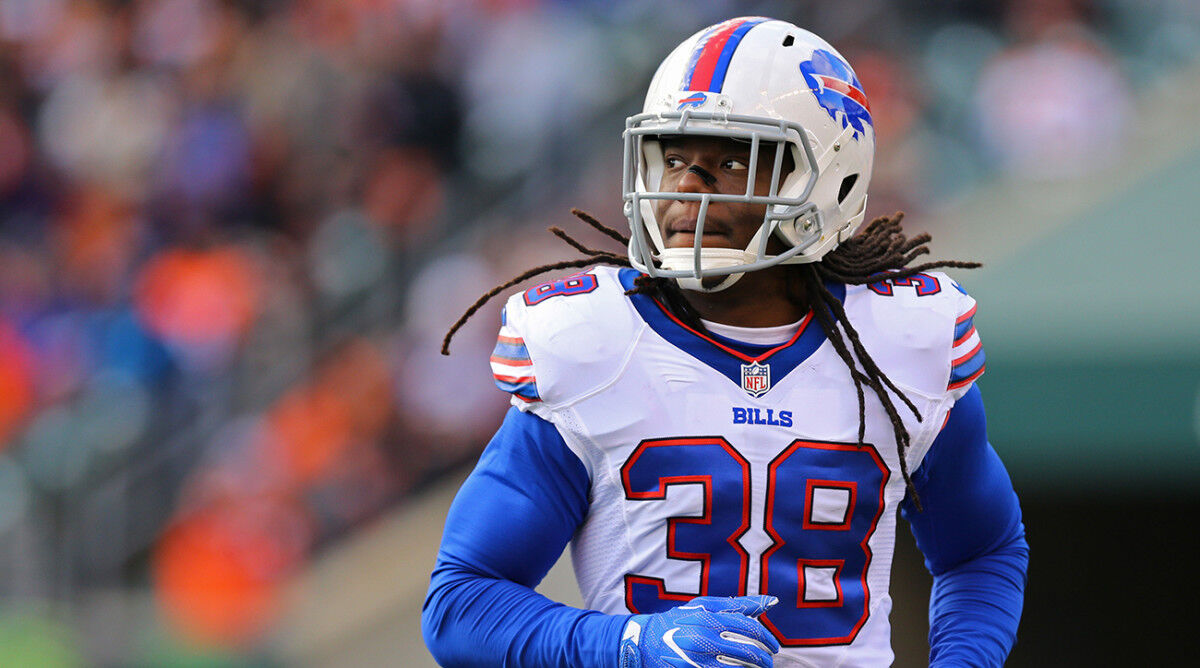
{"x":847,"y":184}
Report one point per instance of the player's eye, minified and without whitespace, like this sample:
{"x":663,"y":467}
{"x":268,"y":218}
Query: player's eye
{"x":672,"y":162}
{"x":735,"y":164}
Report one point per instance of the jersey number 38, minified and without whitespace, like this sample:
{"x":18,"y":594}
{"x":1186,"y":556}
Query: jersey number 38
{"x":823,"y":501}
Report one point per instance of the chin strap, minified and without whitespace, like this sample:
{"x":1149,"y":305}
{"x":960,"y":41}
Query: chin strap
{"x":684,"y":259}
{"x":709,"y":259}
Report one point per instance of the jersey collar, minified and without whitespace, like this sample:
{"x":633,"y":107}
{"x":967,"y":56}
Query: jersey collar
{"x":724,"y":355}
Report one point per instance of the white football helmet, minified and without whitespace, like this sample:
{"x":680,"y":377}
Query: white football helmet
{"x":777,"y":87}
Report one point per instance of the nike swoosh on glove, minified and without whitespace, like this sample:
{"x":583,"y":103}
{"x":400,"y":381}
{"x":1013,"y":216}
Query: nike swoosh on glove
{"x":705,"y":632}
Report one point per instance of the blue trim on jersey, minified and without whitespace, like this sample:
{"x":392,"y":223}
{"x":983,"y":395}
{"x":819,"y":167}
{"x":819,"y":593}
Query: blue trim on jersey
{"x":961,"y":329}
{"x":527,"y":390}
{"x":968,"y":367}
{"x":973,"y":540}
{"x":507,"y":526}
{"x":511,"y":351}
{"x":730,"y":366}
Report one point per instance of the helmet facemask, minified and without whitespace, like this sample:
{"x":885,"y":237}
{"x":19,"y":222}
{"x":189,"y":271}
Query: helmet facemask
{"x":786,"y":201}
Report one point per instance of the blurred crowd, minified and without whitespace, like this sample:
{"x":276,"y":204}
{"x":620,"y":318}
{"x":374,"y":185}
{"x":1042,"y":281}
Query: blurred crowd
{"x":234,"y":233}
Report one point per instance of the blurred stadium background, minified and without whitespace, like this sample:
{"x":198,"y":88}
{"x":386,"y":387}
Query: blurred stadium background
{"x":233,"y":234}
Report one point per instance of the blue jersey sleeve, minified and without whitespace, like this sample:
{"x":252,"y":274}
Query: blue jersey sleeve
{"x":508,"y":525}
{"x":973,"y":540}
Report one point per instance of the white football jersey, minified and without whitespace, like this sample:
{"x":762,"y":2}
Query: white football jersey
{"x":718,"y":472}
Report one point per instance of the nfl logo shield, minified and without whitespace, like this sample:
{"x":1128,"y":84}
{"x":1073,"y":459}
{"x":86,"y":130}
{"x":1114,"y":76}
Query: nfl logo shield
{"x":756,"y":378}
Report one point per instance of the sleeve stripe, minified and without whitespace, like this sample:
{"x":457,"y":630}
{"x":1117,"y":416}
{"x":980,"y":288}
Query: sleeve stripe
{"x":964,"y":346}
{"x":964,"y":373}
{"x":516,"y":352}
{"x":960,"y":360}
{"x":514,"y":374}
{"x":512,"y":366}
{"x":527,"y":390}
{"x":959,"y":340}
{"x":515,"y":380}
{"x":510,"y":361}
{"x":954,"y":385}
{"x":966,"y":352}
{"x":963,"y":329}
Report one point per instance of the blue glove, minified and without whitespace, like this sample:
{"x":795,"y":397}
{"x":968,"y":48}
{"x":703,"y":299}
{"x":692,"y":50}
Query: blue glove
{"x":705,"y":632}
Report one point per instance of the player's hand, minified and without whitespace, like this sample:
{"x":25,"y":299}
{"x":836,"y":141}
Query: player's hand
{"x":705,"y":632}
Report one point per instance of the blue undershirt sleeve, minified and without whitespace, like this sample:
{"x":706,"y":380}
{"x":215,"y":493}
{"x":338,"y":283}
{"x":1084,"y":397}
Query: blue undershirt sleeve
{"x":971,"y":534}
{"x":506,"y":527}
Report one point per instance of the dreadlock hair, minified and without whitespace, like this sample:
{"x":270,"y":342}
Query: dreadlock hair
{"x":879,"y":251}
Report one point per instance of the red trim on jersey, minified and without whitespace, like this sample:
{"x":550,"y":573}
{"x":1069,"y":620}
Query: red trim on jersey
{"x":660,"y":492}
{"x":515,"y":380}
{"x":510,"y":361}
{"x":964,"y":337}
{"x":967,"y":316}
{"x":967,"y":356}
{"x":809,"y":488}
{"x":658,"y":583}
{"x":745,"y":358}
{"x":778,"y":542}
{"x":968,"y":380}
{"x":837,"y":565}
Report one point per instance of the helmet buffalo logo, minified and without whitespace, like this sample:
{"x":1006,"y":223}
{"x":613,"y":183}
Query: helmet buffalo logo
{"x":837,"y":89}
{"x":694,"y":100}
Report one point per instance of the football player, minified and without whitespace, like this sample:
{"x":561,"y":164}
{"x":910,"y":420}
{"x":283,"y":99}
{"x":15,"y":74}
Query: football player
{"x":724,"y":423}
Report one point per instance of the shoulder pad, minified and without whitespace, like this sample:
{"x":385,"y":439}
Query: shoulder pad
{"x":563,"y":339}
{"x":920,"y":330}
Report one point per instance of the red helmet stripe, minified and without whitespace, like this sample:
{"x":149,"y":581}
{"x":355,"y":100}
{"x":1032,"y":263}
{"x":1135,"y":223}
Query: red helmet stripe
{"x":706,"y":72}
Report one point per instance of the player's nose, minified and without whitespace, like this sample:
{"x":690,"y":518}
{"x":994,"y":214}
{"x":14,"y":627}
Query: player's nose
{"x":696,"y":179}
